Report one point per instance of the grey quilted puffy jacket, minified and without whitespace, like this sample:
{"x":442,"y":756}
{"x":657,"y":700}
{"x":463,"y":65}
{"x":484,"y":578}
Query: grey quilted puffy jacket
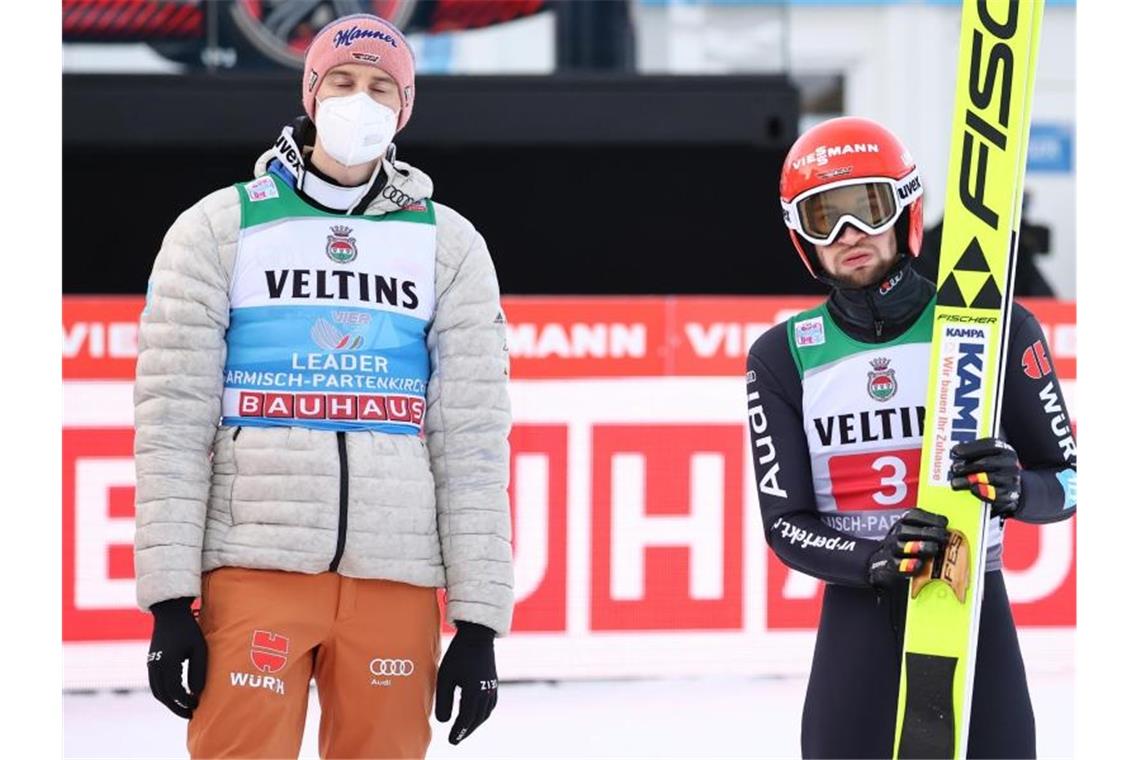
{"x":431,"y":513}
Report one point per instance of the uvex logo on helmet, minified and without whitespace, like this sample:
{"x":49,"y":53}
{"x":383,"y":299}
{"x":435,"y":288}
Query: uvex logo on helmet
{"x":909,"y":188}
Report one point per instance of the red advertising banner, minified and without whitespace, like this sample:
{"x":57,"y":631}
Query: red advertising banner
{"x":561,"y":337}
{"x":633,"y":503}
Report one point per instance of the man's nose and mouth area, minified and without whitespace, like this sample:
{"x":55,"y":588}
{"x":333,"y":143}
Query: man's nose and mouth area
{"x":855,"y":251}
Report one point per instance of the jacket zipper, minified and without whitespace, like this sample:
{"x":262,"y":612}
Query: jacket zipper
{"x":874,"y":315}
{"x":342,"y":521}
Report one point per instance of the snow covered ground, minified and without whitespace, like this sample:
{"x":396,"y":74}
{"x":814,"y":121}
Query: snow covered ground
{"x":675,"y":718}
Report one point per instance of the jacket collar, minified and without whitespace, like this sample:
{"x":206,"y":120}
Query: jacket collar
{"x":397,"y":185}
{"x":885,"y":310}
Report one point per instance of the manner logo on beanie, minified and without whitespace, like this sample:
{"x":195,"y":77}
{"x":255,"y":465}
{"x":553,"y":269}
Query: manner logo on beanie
{"x":349,"y":36}
{"x":363,"y":39}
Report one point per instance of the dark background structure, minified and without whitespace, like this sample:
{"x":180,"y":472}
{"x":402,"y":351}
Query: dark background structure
{"x":582,"y":183}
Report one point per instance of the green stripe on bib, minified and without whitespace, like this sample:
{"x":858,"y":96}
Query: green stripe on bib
{"x":816,"y":340}
{"x":269,"y":199}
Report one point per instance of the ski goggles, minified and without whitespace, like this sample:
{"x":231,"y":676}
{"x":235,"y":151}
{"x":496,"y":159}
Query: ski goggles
{"x":872,"y":204}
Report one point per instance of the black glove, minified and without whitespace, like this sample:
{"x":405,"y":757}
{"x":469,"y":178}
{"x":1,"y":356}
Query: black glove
{"x":470,"y":665}
{"x":915,"y":538}
{"x":988,"y":469}
{"x":176,"y":637}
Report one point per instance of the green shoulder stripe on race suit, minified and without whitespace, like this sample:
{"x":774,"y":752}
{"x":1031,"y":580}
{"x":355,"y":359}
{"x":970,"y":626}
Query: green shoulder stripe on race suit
{"x":269,"y":198}
{"x":328,"y":315}
{"x":816,"y":339}
{"x":864,"y":415}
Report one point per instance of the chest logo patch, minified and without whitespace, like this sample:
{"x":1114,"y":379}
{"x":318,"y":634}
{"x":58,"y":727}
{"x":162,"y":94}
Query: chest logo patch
{"x":261,"y":189}
{"x":881,"y":383}
{"x":810,"y":332}
{"x":341,"y":248}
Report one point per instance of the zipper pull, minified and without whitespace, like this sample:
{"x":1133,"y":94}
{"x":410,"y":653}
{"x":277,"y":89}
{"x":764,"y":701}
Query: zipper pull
{"x":878,"y":328}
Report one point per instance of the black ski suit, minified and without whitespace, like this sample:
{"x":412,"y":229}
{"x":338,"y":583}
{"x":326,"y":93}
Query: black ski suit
{"x":849,"y":710}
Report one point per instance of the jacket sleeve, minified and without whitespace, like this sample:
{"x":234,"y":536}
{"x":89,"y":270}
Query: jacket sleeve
{"x":177,"y":397}
{"x":782,"y":462}
{"x":467,"y":424}
{"x":1036,"y":423}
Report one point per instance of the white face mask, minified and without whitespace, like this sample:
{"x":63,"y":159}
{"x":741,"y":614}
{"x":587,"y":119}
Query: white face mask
{"x":354,"y":129}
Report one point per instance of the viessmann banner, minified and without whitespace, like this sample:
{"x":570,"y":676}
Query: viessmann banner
{"x":638,"y":544}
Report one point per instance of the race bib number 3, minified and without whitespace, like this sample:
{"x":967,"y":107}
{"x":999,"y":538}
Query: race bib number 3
{"x":875,"y":481}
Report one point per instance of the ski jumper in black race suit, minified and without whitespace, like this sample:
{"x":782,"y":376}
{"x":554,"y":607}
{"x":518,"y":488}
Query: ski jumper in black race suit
{"x":836,"y":400}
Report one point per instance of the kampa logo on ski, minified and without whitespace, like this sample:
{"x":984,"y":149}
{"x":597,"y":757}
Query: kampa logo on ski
{"x":968,"y":393}
{"x":881,"y":383}
{"x":972,"y":333}
{"x":341,"y":248}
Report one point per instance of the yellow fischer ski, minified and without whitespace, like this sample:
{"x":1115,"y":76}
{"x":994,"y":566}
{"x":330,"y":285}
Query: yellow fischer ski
{"x":997,"y":58}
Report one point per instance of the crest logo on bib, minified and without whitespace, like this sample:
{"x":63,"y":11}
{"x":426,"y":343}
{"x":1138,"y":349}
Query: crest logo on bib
{"x":881,"y":383}
{"x":341,"y":248}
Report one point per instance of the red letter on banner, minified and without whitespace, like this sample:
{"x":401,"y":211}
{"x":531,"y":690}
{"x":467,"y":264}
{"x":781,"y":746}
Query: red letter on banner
{"x":417,"y":405}
{"x":90,"y":515}
{"x":341,"y":406}
{"x":399,"y":408}
{"x":250,"y":404}
{"x":1040,"y":568}
{"x":310,"y":406}
{"x":372,"y":408}
{"x":667,"y":536}
{"x":538,"y":526}
{"x":278,"y":405}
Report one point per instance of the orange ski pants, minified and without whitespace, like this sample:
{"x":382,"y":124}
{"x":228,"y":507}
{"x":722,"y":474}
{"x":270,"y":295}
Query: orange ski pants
{"x":372,"y":645}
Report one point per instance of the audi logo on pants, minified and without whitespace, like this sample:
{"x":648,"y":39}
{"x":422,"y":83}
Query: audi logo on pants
{"x":380,"y":667}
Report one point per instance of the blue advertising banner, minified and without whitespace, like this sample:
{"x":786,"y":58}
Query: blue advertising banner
{"x":1050,"y":148}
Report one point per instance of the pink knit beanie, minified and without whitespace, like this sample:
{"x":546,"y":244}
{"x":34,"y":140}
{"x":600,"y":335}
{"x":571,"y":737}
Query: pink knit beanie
{"x":360,"y":38}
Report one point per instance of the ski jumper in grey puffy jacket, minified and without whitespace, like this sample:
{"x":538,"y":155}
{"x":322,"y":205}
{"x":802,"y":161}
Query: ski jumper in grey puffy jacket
{"x":319,"y":391}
